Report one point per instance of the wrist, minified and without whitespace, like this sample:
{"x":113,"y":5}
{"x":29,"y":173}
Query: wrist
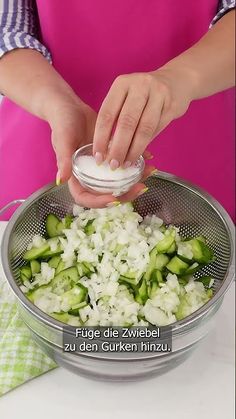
{"x":179,"y":72}
{"x":51,"y":99}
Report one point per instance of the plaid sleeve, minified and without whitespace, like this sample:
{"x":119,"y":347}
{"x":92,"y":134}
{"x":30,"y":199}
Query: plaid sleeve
{"x":224,"y":7}
{"x":19,"y":27}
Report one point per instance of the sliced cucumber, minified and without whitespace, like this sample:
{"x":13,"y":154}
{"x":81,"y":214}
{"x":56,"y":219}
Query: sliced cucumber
{"x":80,"y":269}
{"x":24,"y":279}
{"x":183,"y":308}
{"x":36,"y":252}
{"x":151,"y":265}
{"x":184,"y":251}
{"x":64,"y":280}
{"x":166,"y":243}
{"x":185,"y":259}
{"x":130,"y":275}
{"x":130,"y":287}
{"x":54,"y":226}
{"x":143,"y":291}
{"x":76,"y":308}
{"x":70,"y":274}
{"x":161,"y":261}
{"x":177,"y":266}
{"x":183,"y":281}
{"x":61,"y":317}
{"x":32,"y":295}
{"x":54,"y":262}
{"x":205,"y":280}
{"x":35,"y":266}
{"x":130,"y":281}
{"x":201,"y":239}
{"x":163,"y":229}
{"x":83,"y":303}
{"x":201,"y":252}
{"x":89,"y":228}
{"x":25,"y":273}
{"x":152,"y":289}
{"x":138,"y":298}
{"x":209,"y":292}
{"x":172,"y":249}
{"x":75,"y":296}
{"x":51,"y":224}
{"x":68,"y":220}
{"x":85,"y":269}
{"x":49,"y":253}
{"x":88,"y":266}
{"x":192,"y":268}
{"x":64,"y":317}
{"x":156,"y":276}
{"x":60,"y":267}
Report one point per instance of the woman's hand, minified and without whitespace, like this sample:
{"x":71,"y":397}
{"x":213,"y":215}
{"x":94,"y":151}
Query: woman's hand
{"x":72,"y":124}
{"x":95,"y":200}
{"x":138,"y":107}
{"x":30,"y":81}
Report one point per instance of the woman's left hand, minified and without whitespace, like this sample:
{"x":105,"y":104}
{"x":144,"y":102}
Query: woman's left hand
{"x":96,"y":200}
{"x":137,"y":108}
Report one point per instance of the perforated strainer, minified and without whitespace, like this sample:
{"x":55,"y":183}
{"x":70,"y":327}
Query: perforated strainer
{"x":173,"y":200}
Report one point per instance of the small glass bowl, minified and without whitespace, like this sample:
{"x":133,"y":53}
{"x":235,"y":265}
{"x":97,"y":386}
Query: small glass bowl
{"x":105,"y":186}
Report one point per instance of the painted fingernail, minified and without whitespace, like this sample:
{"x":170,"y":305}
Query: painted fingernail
{"x":154,"y":172}
{"x":127,"y":164}
{"x":113,"y":204}
{"x":143,"y":191}
{"x":58,"y":179}
{"x":114,"y":164}
{"x":149,"y":157}
{"x":98,"y":157}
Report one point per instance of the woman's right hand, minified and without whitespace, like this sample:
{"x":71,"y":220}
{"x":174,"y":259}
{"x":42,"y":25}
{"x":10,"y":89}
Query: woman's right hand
{"x":72,"y":123}
{"x":31,"y":82}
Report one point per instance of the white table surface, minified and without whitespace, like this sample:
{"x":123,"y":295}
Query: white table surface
{"x":202,"y":387}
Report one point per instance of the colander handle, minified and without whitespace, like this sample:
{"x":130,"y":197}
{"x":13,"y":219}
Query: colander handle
{"x":11,"y":204}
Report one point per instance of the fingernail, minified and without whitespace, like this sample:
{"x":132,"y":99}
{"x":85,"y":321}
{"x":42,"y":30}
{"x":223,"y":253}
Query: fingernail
{"x":149,"y":157}
{"x":127,"y":164}
{"x":114,"y":164}
{"x":143,"y":191}
{"x":98,"y":157}
{"x":58,"y":179}
{"x":153,"y":172}
{"x":113,"y":204}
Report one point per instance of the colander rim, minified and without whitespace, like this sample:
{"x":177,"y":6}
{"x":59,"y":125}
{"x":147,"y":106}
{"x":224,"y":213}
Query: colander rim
{"x":177,"y":326}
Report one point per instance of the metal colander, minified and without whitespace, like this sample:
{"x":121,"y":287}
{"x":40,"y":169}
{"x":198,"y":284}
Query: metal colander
{"x":176,"y":202}
{"x":170,"y":198}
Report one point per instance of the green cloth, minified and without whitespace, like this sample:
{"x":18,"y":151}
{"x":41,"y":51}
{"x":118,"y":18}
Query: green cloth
{"x":21,"y":359}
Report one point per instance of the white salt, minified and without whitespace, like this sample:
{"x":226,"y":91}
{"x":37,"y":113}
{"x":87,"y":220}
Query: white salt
{"x":88,"y":166}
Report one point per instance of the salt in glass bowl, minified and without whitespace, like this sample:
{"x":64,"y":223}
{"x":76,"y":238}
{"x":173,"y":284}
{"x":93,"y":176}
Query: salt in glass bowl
{"x":115,"y":187}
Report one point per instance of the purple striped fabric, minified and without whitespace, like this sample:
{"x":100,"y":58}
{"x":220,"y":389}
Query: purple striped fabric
{"x":3,"y":7}
{"x":223,"y":7}
{"x":19,"y":25}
